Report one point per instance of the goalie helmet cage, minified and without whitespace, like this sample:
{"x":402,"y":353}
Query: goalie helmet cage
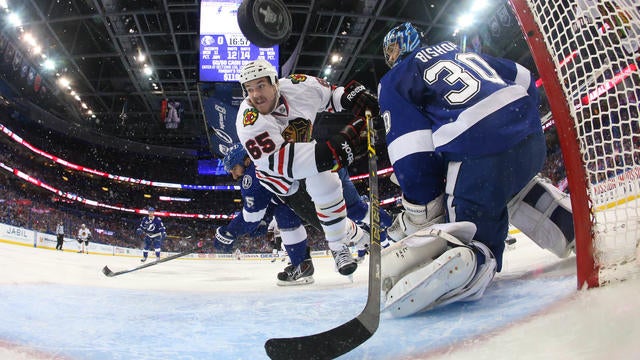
{"x":587,"y":55}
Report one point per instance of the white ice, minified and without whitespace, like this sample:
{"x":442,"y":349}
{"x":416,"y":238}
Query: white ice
{"x":57,"y":305}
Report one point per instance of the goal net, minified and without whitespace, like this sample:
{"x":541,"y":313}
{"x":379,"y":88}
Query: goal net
{"x":587,"y":53}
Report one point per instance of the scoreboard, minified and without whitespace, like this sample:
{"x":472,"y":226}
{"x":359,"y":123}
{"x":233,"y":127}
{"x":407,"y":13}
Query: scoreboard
{"x":223,"y":47}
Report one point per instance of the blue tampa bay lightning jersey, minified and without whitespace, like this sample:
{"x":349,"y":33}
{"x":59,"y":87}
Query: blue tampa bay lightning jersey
{"x":258,"y":203}
{"x":440,"y":100}
{"x":152,"y":227}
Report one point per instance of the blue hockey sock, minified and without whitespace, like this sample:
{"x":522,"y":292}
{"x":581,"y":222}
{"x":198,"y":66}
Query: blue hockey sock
{"x":357,"y":211}
{"x":297,"y":252}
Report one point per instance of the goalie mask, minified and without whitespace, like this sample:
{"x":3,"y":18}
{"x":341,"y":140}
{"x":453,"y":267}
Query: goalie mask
{"x":407,"y":38}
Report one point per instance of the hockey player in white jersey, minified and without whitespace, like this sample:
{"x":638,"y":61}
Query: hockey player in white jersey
{"x":274,"y":235}
{"x":84,"y":235}
{"x":464,"y":138}
{"x":274,"y":124}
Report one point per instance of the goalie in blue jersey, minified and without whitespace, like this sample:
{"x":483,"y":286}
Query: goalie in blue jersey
{"x":464,"y":137}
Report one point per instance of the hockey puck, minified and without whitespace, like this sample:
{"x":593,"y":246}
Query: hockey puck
{"x":265,"y":23}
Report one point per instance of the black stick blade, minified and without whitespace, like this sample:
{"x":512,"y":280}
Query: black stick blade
{"x":326,"y":345}
{"x":107,"y":271}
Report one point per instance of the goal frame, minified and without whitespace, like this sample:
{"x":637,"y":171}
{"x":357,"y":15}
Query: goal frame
{"x":582,"y":207}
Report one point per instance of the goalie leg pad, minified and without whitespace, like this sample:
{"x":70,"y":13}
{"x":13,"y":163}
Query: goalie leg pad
{"x":483,"y":276}
{"x":420,"y":290}
{"x":421,"y":248}
{"x":543,"y":213}
{"x":400,"y":257}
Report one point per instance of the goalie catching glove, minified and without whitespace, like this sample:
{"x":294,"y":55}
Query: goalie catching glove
{"x":343,"y":149}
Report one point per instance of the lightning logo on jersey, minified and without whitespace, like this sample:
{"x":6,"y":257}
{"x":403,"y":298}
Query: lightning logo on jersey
{"x":247,"y":180}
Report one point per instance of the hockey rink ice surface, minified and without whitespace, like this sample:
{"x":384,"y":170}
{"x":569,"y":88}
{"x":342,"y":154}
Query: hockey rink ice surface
{"x":59,"y":305}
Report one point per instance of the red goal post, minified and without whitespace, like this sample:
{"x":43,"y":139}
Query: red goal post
{"x":587,"y":53}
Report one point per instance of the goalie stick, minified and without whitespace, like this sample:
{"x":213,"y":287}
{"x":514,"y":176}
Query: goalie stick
{"x":346,"y":337}
{"x":109,"y":273}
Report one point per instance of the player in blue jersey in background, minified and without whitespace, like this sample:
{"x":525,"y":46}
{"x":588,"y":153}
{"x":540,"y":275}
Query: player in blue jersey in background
{"x":464,"y":137}
{"x":154,"y":233}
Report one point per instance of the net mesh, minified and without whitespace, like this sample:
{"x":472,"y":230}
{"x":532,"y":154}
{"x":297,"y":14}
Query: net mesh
{"x":595,"y":48}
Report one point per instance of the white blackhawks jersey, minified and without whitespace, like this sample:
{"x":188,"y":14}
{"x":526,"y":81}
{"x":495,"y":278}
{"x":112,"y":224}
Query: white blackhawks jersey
{"x":84,"y":233}
{"x":280,"y":143}
{"x":273,"y":227}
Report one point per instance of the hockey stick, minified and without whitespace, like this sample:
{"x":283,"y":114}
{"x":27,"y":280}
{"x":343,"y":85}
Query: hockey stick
{"x":179,"y":237}
{"x":109,"y":273}
{"x":346,"y":337}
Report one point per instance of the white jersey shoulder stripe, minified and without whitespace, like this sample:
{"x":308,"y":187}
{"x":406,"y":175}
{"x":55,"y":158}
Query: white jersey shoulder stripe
{"x":523,"y":76}
{"x":411,"y":143}
{"x":253,"y":216}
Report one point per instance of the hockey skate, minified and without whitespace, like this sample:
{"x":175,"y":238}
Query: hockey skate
{"x":297,"y":275}
{"x":143,"y":259}
{"x":344,"y":261}
{"x":358,"y":236}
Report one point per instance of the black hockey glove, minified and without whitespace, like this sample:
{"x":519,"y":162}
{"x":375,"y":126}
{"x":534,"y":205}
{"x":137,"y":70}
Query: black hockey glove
{"x":224,"y":240}
{"x":358,"y":99}
{"x":343,"y":149}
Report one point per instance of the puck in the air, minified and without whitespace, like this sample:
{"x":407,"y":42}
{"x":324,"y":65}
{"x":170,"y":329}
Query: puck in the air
{"x":265,"y":23}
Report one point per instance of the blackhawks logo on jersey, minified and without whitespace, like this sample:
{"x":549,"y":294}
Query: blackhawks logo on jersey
{"x":249,"y":116}
{"x":298,"y":130}
{"x":297,"y":78}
